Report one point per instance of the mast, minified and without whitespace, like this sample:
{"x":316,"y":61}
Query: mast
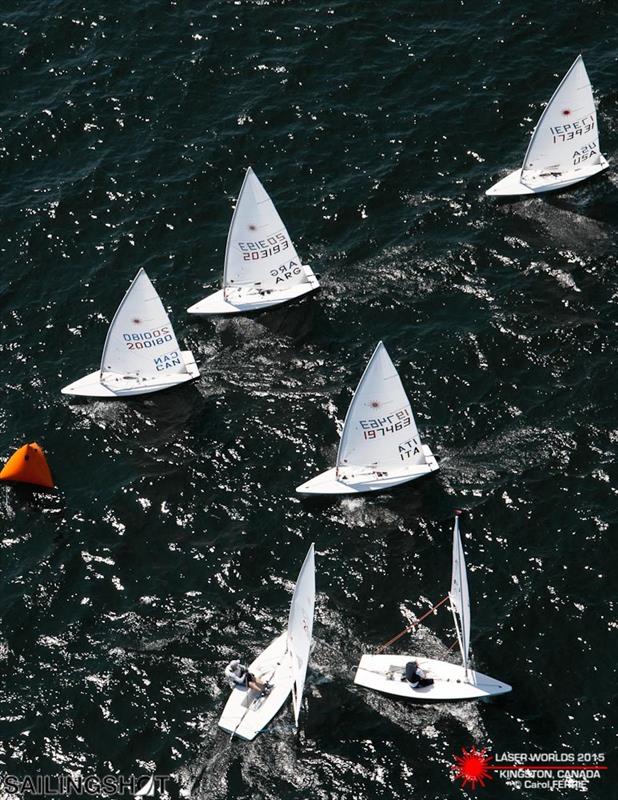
{"x":460,"y":598}
{"x":224,"y":282}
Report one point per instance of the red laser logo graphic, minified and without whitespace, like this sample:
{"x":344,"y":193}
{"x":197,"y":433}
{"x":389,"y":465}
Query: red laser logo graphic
{"x":473,"y":767}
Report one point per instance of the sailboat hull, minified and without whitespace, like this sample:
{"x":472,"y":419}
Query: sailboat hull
{"x":345,"y":483}
{"x":243,"y":300}
{"x":120,"y":386}
{"x":246,"y":713}
{"x":383,"y":673}
{"x":512,"y":184}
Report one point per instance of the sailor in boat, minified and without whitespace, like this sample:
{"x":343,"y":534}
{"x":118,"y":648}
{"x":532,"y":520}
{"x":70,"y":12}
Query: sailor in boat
{"x":238,"y":675}
{"x":257,"y":287}
{"x":415,"y":676}
{"x":376,"y":472}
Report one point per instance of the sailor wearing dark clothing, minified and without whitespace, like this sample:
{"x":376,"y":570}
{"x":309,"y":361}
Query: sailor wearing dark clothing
{"x":415,"y":676}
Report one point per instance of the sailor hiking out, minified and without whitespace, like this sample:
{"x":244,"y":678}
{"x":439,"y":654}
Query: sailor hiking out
{"x":238,"y":675}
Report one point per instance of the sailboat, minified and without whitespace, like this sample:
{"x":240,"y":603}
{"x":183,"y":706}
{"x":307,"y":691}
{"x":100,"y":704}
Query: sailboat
{"x":141,"y":353}
{"x":564,"y":147}
{"x":385,"y":673}
{"x":261,"y":268}
{"x":380,"y":447}
{"x":148,"y":789}
{"x":283,"y":665}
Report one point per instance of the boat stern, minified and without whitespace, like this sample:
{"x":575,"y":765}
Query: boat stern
{"x":190,"y":364}
{"x":431,"y":460}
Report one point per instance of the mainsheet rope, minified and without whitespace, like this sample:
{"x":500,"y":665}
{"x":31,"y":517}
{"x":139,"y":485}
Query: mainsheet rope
{"x":412,"y":625}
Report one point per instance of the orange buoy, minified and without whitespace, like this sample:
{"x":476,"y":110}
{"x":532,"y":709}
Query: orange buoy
{"x":28,"y":465}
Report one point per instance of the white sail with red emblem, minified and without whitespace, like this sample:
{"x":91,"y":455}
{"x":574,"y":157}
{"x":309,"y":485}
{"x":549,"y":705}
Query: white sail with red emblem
{"x":564,"y":147}
{"x":566,"y":135}
{"x":261,"y":268}
{"x":380,"y":446}
{"x":141,"y":354}
{"x":379,"y":429}
{"x":259,"y":249}
{"x":141,"y":339}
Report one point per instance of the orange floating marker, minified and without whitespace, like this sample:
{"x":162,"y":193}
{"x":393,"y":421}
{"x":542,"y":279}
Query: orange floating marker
{"x":28,"y":465}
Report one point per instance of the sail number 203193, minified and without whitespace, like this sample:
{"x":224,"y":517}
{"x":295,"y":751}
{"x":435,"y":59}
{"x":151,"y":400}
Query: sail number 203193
{"x":264,"y":248}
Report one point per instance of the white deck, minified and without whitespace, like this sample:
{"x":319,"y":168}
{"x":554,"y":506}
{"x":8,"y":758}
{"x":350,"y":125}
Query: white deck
{"x":117,"y":386}
{"x":357,"y":480}
{"x":246,"y":713}
{"x":383,"y":673}
{"x":243,"y":299}
{"x":535,"y":184}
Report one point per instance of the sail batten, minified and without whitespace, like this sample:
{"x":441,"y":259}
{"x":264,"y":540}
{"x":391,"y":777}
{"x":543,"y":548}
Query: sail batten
{"x":300,"y":628}
{"x":379,"y":429}
{"x":259,"y":251}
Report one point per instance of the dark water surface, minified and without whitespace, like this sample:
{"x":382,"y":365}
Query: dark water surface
{"x":125,"y":130}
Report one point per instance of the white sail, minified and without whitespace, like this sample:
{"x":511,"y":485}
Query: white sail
{"x":379,"y":429}
{"x":141,"y":340}
{"x":566,"y":136}
{"x":259,"y":249}
{"x":459,"y":596}
{"x":300,"y":627}
{"x":148,"y":789}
